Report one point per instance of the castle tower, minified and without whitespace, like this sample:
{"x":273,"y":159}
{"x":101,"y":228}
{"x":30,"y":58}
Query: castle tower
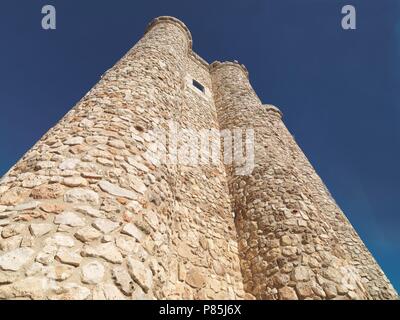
{"x":110,"y":203}
{"x":88,"y":213}
{"x":294,"y":241}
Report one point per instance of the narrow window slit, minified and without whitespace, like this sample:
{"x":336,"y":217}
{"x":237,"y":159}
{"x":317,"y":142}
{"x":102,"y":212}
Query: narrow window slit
{"x":198,"y":85}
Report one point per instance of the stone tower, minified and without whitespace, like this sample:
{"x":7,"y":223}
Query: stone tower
{"x":90,"y":213}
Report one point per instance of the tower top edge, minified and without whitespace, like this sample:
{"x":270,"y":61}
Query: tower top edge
{"x":211,"y":67}
{"x":182,"y":26}
{"x":218,"y":64}
{"x":175,"y":21}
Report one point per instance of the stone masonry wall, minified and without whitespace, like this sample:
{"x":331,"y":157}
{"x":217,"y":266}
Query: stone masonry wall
{"x":206,"y":264}
{"x":90,"y":213}
{"x":294,"y":242}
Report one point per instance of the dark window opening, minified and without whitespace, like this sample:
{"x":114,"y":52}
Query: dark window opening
{"x":198,"y":85}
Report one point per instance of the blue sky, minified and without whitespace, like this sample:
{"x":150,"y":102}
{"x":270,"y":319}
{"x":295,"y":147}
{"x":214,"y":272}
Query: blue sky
{"x":338,"y":90}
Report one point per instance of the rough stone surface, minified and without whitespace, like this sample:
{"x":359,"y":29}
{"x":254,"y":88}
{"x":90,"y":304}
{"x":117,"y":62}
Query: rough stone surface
{"x":82,"y":196}
{"x":133,"y":231}
{"x":74,"y":141}
{"x":115,"y":190}
{"x":140,"y":274}
{"x":40,"y":229}
{"x":47,"y":191}
{"x":68,"y":257}
{"x":60,"y":239}
{"x":70,"y":219}
{"x":301,"y":274}
{"x":93,"y":272}
{"x":105,"y":225}
{"x":195,"y":278}
{"x":12,"y":230}
{"x":87,"y":234}
{"x":107,"y":291}
{"x":287,"y":293}
{"x":123,"y":280}
{"x":15,"y":259}
{"x":69,"y":164}
{"x":29,"y":288}
{"x":90,"y":212}
{"x":27,"y":206}
{"x":107,"y":251}
{"x":72,"y":291}
{"x":59,"y":272}
{"x":75,"y":182}
{"x":14,"y":196}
